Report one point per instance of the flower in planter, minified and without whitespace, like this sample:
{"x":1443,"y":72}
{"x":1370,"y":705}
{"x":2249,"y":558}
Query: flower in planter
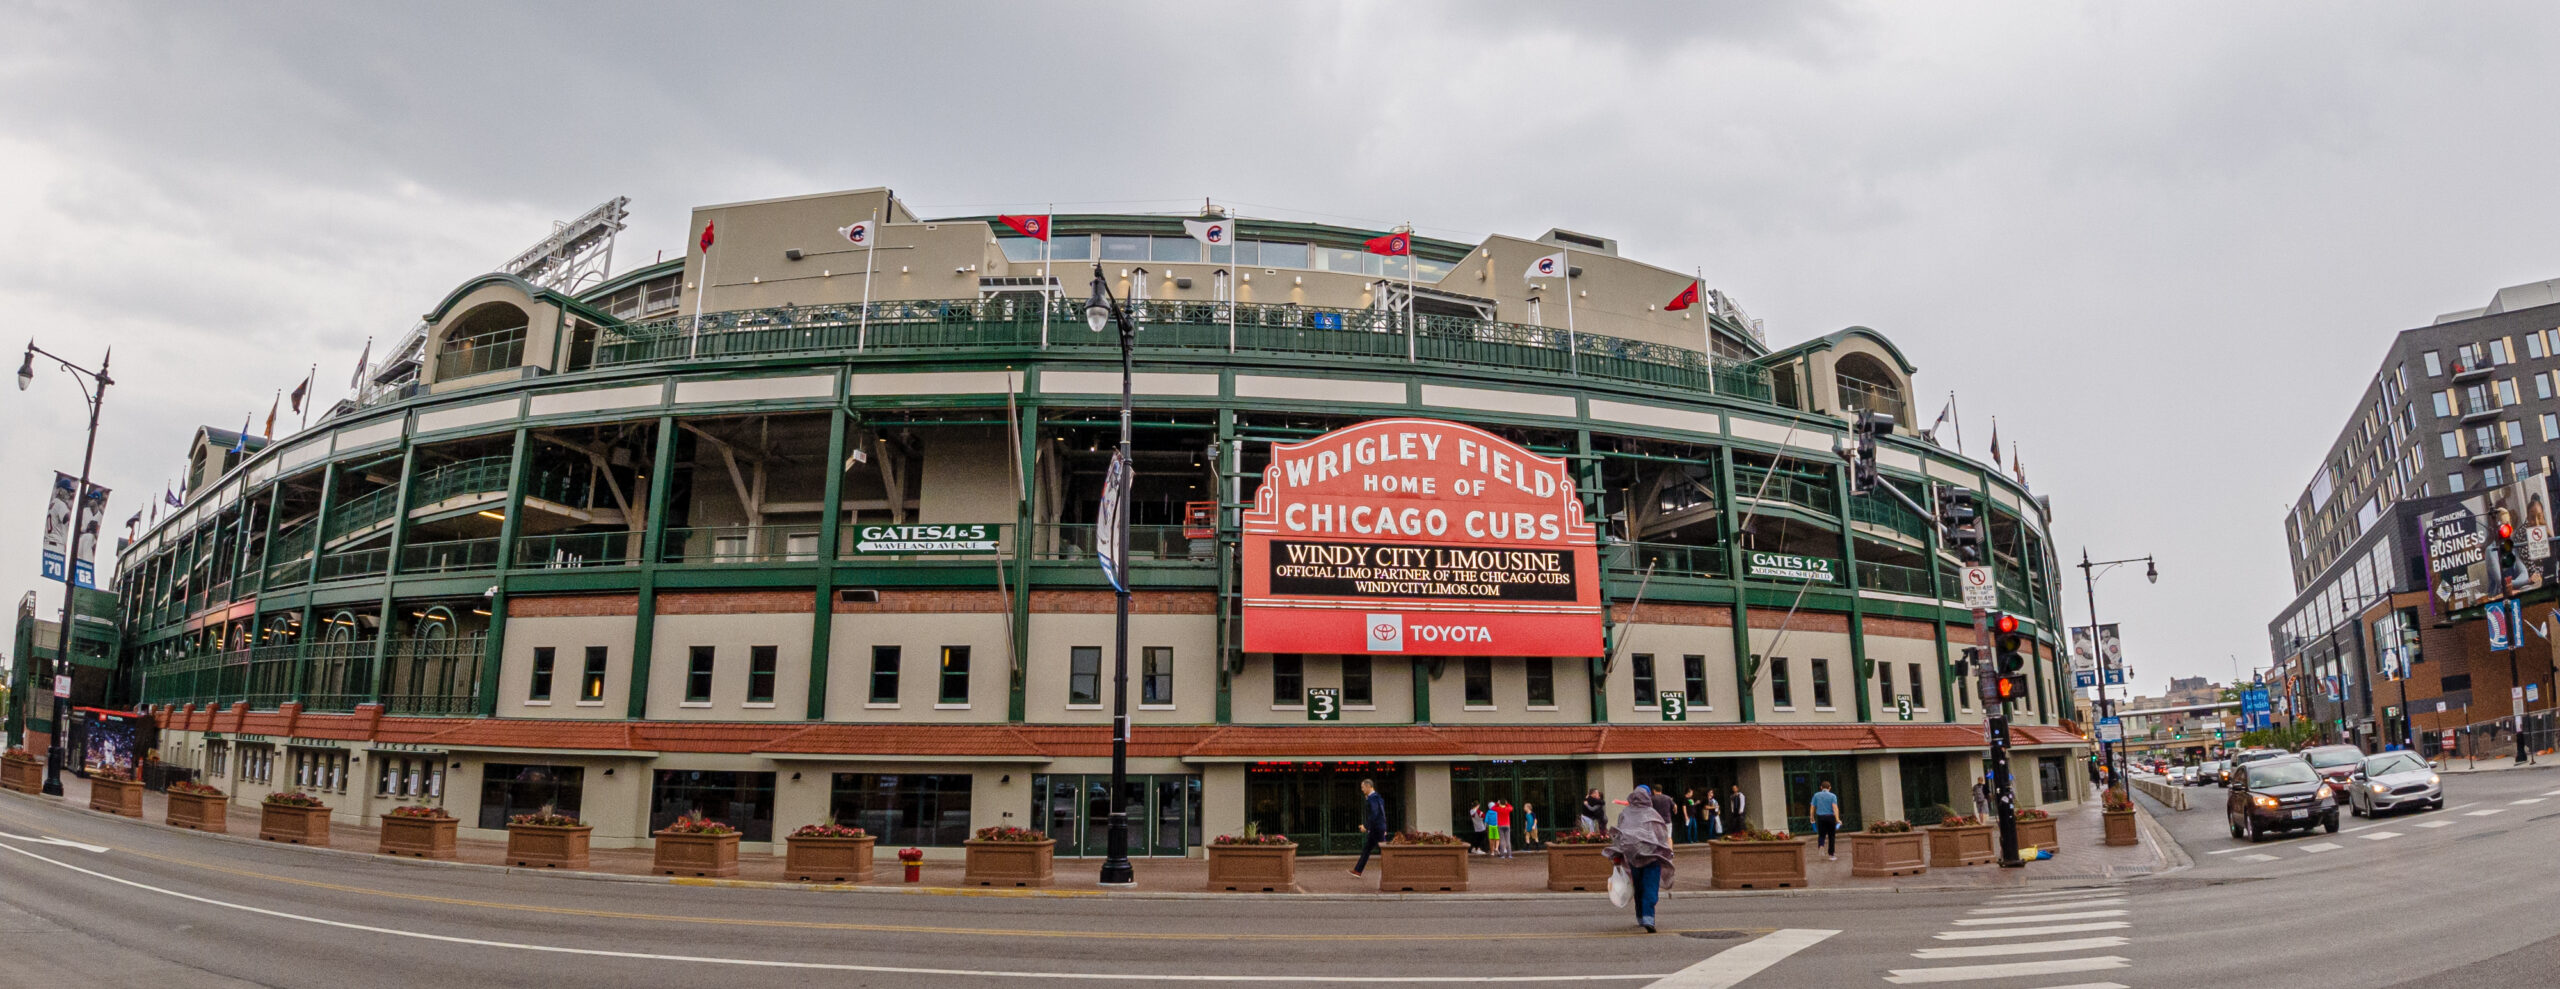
{"x":546,"y":819}
{"x":195,"y":789}
{"x":2118,"y":801}
{"x":1007,"y":833}
{"x":2034,"y":815}
{"x":112,"y":774}
{"x":1253,"y":838}
{"x":1578,"y":837}
{"x":1425,"y":838}
{"x":418,"y":811}
{"x":294,"y":798}
{"x":1758,"y":834}
{"x":1889,"y":827}
{"x":1958,"y":821}
{"x":694,"y":824}
{"x":829,"y":829}
{"x":18,"y":752}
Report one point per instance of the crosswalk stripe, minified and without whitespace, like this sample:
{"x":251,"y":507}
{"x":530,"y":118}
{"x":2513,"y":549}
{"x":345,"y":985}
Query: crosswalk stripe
{"x":2260,"y":857}
{"x":2055,"y":905}
{"x":2484,"y":812}
{"x":2432,"y":824}
{"x":2095,"y":925}
{"x":2052,"y":893}
{"x":2030,"y":948}
{"x":2528,"y":801}
{"x":1732,"y":966}
{"x":2322,"y":847}
{"x":2379,"y":835}
{"x":2005,"y":970}
{"x":2228,"y":851}
{"x":2554,"y":793}
{"x":2090,"y":985}
{"x":2074,"y":915}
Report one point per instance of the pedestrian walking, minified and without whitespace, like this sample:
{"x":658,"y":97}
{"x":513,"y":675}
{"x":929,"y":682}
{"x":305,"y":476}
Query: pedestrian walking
{"x":1690,"y":808}
{"x":1498,"y":814}
{"x":1475,"y":831}
{"x":1736,"y":806}
{"x":1643,"y":846}
{"x":1714,"y":813}
{"x":1982,"y":798}
{"x":1373,"y":824}
{"x":1826,"y":821}
{"x":1592,"y":810}
{"x":1529,"y":826}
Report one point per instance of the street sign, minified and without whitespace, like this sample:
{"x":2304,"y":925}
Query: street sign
{"x":1979,"y":594}
{"x":1675,"y":706}
{"x":1902,"y":707}
{"x":1324,"y":703}
{"x":2537,"y":542}
{"x":2110,"y":729}
{"x":2448,"y":739}
{"x":62,"y":685}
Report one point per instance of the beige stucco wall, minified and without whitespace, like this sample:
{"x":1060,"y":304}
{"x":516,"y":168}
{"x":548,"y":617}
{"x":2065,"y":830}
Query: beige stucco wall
{"x":1054,"y":637}
{"x":1511,"y":694}
{"x":1902,"y":654}
{"x":731,"y":637}
{"x":569,"y":637}
{"x":920,"y":638}
{"x":1668,"y":644}
{"x":1801,"y":648}
{"x":1390,"y":690}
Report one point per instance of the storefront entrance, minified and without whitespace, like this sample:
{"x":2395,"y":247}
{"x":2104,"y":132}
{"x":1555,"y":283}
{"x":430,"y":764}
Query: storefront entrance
{"x":1551,"y":788}
{"x":1924,"y":789}
{"x":1164,"y":812}
{"x":1682,"y":777}
{"x":1317,"y":804}
{"x":1805,"y":774}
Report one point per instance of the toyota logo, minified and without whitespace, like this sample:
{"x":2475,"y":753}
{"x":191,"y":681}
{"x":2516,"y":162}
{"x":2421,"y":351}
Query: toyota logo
{"x":1382,"y":631}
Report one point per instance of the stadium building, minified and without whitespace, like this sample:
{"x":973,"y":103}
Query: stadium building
{"x":804,"y":525}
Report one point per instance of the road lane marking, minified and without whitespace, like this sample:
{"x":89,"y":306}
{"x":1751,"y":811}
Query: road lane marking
{"x":2006,"y":970}
{"x":2030,"y":948}
{"x":2322,"y":847}
{"x":2095,"y":925}
{"x":2525,"y":802}
{"x":2433,"y":824}
{"x":2486,"y":812}
{"x":2052,"y":893}
{"x":775,"y":963}
{"x":2032,"y":907}
{"x":50,"y":840}
{"x":2074,"y":915}
{"x":2379,"y":835}
{"x":2228,"y":851}
{"x":2554,"y":793}
{"x":2260,"y":857}
{"x":1726,"y":969}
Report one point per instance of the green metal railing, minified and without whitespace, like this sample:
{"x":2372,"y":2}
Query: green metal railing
{"x":479,"y":476}
{"x":1147,"y":543}
{"x":1893,"y":579}
{"x":1667,"y":559}
{"x":573,"y":550}
{"x":450,"y":556}
{"x":1758,"y":483}
{"x":1885,"y":511}
{"x":433,"y":675}
{"x":354,"y":563}
{"x":739,"y":544}
{"x":363,"y":511}
{"x":480,"y":353}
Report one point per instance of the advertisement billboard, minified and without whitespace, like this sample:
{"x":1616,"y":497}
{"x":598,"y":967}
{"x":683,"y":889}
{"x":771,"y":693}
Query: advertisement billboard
{"x":2458,"y":542}
{"x":1419,"y":537}
{"x":60,"y":547}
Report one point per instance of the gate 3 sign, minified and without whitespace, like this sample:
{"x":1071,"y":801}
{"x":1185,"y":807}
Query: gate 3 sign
{"x":1420,"y":537}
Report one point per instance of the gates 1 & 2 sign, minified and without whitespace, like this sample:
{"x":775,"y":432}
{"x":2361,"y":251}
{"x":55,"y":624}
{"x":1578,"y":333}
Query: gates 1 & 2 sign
{"x":1420,"y":537}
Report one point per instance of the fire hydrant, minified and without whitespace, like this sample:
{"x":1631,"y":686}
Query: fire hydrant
{"x":914,"y":858}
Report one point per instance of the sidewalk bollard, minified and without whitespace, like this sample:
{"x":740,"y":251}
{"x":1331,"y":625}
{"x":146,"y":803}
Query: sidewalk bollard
{"x":914,"y":858}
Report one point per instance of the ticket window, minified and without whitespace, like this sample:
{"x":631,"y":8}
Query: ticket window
{"x":408,"y":776}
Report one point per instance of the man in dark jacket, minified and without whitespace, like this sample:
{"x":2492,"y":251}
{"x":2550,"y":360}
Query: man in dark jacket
{"x":1594,"y":812}
{"x":1373,"y":823}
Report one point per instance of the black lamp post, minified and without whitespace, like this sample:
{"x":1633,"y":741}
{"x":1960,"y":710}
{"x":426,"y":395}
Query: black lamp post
{"x":97,"y":396}
{"x":2089,"y":574}
{"x":1102,"y":312}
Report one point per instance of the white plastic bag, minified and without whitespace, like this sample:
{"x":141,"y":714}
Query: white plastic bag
{"x":1622,"y":887}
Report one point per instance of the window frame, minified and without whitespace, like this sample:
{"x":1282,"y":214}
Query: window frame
{"x":701,"y":668}
{"x":1084,"y":663}
{"x":1820,"y":669}
{"x":884,"y":675}
{"x":1365,"y":674}
{"x":1782,"y":687}
{"x":764,"y":670}
{"x":1150,"y":674}
{"x":1539,"y":674}
{"x":546,"y":661}
{"x":1477,"y":681}
{"x":1644,"y":687}
{"x":1288,"y":681}
{"x":591,"y":677}
{"x":953,"y":672}
{"x":1693,"y":681}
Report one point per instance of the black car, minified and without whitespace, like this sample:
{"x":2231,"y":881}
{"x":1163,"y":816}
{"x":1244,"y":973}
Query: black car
{"x":2280,"y":795}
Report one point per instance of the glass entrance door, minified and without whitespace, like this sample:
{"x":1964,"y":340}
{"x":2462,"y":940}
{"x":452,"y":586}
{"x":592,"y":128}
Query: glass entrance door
{"x":1551,"y":787}
{"x":1807,"y":773}
{"x":1924,"y":788}
{"x":1318,"y":804}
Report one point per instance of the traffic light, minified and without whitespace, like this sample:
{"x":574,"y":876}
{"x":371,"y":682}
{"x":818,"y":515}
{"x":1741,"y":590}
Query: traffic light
{"x":2006,"y":653}
{"x":1956,"y":524}
{"x":1862,"y":458}
{"x":2503,"y":557}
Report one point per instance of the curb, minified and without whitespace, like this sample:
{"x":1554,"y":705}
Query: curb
{"x":761,"y":884}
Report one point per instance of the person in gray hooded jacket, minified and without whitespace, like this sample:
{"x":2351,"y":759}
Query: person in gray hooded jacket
{"x":1643,"y":844}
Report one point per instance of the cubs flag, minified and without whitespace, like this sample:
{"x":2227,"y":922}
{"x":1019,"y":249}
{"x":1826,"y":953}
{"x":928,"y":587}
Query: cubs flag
{"x":706,"y":237}
{"x":1218,"y":232}
{"x":1034,"y":227}
{"x":1687,"y":297}
{"x":1551,"y":266}
{"x":857,"y":233}
{"x":1393,"y":245}
{"x":302,"y":392}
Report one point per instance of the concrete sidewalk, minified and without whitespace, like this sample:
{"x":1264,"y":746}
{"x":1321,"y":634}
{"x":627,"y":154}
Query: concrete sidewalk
{"x":2083,"y":855}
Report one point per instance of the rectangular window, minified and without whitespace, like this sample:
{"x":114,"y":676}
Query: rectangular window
{"x":508,"y":789}
{"x":884,"y":674}
{"x":216,"y":758}
{"x":1919,"y":692}
{"x":2452,"y":444}
{"x":2453,"y":483}
{"x":1782,"y":688}
{"x":1693,"y":679}
{"x":1084,"y":675}
{"x":591,"y":680}
{"x":697,"y":676}
{"x":2533,"y":345}
{"x":1356,"y":690}
{"x":763,"y":664}
{"x":2444,"y":404}
{"x":2550,"y":427}
{"x":1124,"y":248}
{"x":1288,"y":680}
{"x":2506,"y":392}
{"x":2435,"y":365}
{"x":1479,"y":682}
{"x":955,"y":676}
{"x":1641,"y":665}
{"x":2498,"y":351}
{"x":1155,"y":677}
{"x":2541,"y":382}
{"x":1884,"y":682}
{"x":2513,"y":431}
{"x":741,"y":800}
{"x":1542,"y":681}
{"x":905,"y":808}
{"x":542,"y":666}
{"x":2493,"y":476}
{"x":1822,"y":685}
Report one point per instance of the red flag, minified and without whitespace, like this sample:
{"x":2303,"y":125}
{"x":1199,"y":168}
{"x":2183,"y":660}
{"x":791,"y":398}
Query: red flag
{"x":1687,"y":297}
{"x":706,"y":238}
{"x":271,"y":422}
{"x":1392,"y":245}
{"x":1034,"y":227}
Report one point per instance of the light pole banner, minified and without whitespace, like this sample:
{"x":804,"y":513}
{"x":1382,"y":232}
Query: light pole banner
{"x":1419,"y":537}
{"x":60,"y":549}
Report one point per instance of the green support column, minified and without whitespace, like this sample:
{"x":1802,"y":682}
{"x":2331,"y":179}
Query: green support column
{"x":644,"y":626}
{"x":822,"y":622}
{"x":1027,"y":440}
{"x":1744,"y":670}
{"x":1585,"y":471}
{"x":493,"y":646}
{"x":381,"y":671}
{"x":1860,"y":669}
{"x":1421,"y":691}
{"x":319,"y":530}
{"x":267,"y":543}
{"x":1229,"y":561}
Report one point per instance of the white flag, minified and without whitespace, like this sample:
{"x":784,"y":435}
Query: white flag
{"x":1551,"y":266}
{"x":1215,"y":232}
{"x":858,"y":232}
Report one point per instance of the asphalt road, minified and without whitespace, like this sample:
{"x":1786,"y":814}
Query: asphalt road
{"x":2456,"y":903}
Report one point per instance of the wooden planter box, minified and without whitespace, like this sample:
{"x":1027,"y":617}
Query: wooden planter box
{"x":1253,"y":868}
{"x":2121,"y":830}
{"x":1578,"y":869}
{"x":198,"y":812}
{"x":1901,"y":854}
{"x":1008,"y":863}
{"x":120,"y":797}
{"x":711,"y":856}
{"x":536,"y":846}
{"x":1422,"y":868}
{"x":1759,"y":864}
{"x":1972,"y":844}
{"x":827,"y":860}
{"x":22,"y":775}
{"x":2038,"y":834}
{"x":293,"y":825}
{"x":418,"y":837}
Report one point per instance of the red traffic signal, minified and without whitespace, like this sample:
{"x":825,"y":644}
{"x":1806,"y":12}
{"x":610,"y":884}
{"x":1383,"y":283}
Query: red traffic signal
{"x":2004,"y":623}
{"x":2010,"y":688}
{"x":2506,"y":530}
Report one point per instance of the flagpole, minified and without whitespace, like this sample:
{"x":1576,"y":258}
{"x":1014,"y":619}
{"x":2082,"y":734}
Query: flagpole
{"x":1707,"y":326}
{"x":1958,"y":409}
{"x":870,"y":249}
{"x":1572,"y":345}
{"x":1235,"y":275}
{"x":307,"y":396}
{"x":1412,"y":313}
{"x":693,"y":347}
{"x":1048,"y":288}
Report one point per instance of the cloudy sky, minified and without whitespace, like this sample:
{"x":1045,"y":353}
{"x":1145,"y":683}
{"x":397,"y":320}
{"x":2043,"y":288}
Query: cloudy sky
{"x":2164,"y":243}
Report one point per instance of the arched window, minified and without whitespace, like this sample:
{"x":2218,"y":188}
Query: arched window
{"x":488,"y":338}
{"x":1866,"y":385}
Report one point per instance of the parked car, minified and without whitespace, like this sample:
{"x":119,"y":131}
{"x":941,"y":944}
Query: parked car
{"x":2336,"y":764}
{"x":2391,"y":781}
{"x":2208,"y":771}
{"x":2280,"y":794}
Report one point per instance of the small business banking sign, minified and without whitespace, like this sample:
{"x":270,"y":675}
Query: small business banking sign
{"x":1420,"y":537}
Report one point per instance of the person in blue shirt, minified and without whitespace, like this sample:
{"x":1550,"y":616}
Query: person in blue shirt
{"x":1826,"y":820}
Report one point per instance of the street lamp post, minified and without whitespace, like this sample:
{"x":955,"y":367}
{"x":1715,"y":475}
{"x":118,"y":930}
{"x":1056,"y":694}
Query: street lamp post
{"x":2111,"y":753}
{"x":1101,"y":311}
{"x":96,"y":397}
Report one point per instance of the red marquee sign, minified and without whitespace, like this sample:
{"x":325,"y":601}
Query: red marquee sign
{"x":1419,"y":537}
